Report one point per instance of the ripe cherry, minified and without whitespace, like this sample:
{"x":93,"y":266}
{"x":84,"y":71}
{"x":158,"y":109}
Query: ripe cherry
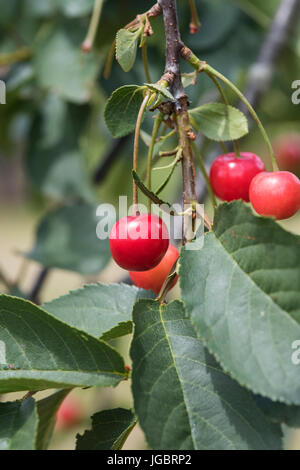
{"x":154,"y":278}
{"x":287,"y":151}
{"x":69,"y":413}
{"x":275,"y":194}
{"x":138,"y":243}
{"x":230,"y":176}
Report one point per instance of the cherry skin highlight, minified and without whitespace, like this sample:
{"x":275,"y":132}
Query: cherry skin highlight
{"x":287,"y":152}
{"x":154,"y":278}
{"x":275,"y":194}
{"x":138,"y":243}
{"x":230,"y":176}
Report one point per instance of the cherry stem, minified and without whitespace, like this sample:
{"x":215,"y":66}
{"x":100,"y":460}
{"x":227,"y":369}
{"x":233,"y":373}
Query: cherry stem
{"x":223,"y":147}
{"x":9,"y":58}
{"x":157,"y":123}
{"x":166,"y":137}
{"x":202,"y":66}
{"x":145,"y":62}
{"x":205,"y":175}
{"x":136,"y":145}
{"x":218,"y":86}
{"x":251,"y":111}
{"x":28,"y":395}
{"x":236,"y":147}
{"x":109,"y":60}
{"x":90,"y":37}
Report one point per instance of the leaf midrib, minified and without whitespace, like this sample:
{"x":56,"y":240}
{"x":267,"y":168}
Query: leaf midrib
{"x":183,"y":395}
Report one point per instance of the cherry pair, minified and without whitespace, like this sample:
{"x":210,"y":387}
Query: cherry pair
{"x":140,"y":244}
{"x":275,"y":194}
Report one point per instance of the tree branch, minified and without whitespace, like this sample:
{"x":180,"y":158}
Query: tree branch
{"x":111,"y":156}
{"x":261,"y":72}
{"x":152,"y":13}
{"x":34,"y":293}
{"x":174,"y":45}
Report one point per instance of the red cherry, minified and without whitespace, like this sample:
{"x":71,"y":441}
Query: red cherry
{"x":287,"y":151}
{"x":139,"y":243}
{"x":154,"y":278}
{"x":275,"y":194}
{"x":230,"y":176}
{"x":69,"y":413}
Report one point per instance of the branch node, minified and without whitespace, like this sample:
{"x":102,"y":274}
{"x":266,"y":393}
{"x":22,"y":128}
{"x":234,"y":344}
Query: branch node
{"x":169,"y":77}
{"x":156,"y":10}
{"x":185,"y":52}
{"x":191,"y":134}
{"x":174,"y":49}
{"x":148,"y":31}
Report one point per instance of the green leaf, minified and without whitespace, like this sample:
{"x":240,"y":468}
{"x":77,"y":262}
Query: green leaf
{"x":60,"y":174}
{"x":98,"y":309}
{"x":242,"y":293}
{"x":182,"y":398}
{"x":279,"y":412}
{"x":126,"y":46}
{"x":15,"y":291}
{"x":188,"y":79}
{"x":36,"y":8}
{"x":18,"y":425}
{"x":43,"y":352}
{"x":219,"y":122}
{"x":47,"y":409}
{"x":122,"y":109}
{"x":54,"y":160}
{"x":110,"y":429}
{"x":54,"y":110}
{"x":66,"y":239}
{"x":62,"y":68}
{"x":159,"y":89}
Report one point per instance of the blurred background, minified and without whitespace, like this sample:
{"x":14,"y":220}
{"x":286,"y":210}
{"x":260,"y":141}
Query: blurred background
{"x":58,"y":160}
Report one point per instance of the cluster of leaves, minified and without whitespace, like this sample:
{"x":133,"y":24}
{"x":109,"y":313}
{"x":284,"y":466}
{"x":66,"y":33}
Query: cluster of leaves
{"x":184,"y":397}
{"x":55,"y":96}
{"x":212,"y":370}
